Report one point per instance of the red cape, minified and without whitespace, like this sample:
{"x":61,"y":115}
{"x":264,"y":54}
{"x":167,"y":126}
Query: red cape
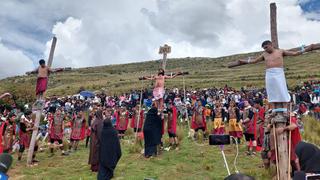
{"x":194,"y":125}
{"x":173,"y":126}
{"x":118,"y":125}
{"x":133,"y":120}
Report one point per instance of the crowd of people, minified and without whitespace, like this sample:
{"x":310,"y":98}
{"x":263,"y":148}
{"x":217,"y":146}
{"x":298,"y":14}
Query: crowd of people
{"x":224,"y":110}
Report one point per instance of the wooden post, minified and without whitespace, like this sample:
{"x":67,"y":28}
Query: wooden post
{"x":164,"y":50}
{"x":273,"y":25}
{"x":139,"y":117}
{"x":280,"y":119}
{"x":53,"y":46}
{"x":39,"y":110}
{"x":282,"y":142}
{"x":34,"y":135}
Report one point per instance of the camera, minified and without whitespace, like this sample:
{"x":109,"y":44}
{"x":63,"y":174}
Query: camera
{"x":219,"y":139}
{"x":300,"y":175}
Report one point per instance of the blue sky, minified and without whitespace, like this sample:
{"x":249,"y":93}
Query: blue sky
{"x":311,"y":6}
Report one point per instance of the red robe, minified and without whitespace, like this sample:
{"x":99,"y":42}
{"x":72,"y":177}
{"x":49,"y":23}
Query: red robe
{"x":56,"y":127}
{"x":1,"y":130}
{"x":172,"y":121}
{"x":8,"y":133}
{"x":249,"y":125}
{"x":42,"y":83}
{"x":122,"y":123}
{"x":84,"y":131}
{"x":295,"y":138}
{"x":259,"y":115}
{"x":24,"y":135}
{"x":198,"y":124}
{"x":78,"y":128}
{"x":134,"y":120}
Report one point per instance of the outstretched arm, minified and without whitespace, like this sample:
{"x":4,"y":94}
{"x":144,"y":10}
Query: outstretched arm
{"x":55,"y":70}
{"x":147,"y":78}
{"x":252,"y":61}
{"x":301,"y":51}
{"x":32,"y":72}
{"x":172,"y":75}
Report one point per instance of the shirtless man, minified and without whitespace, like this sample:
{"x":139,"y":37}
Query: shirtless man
{"x":158,"y":91}
{"x":42,"y":80}
{"x":276,"y":85}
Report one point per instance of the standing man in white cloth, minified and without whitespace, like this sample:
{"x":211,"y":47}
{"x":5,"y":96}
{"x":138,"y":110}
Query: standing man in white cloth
{"x":276,"y":85}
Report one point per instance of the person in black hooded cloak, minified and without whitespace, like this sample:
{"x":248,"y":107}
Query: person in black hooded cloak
{"x":152,"y":132}
{"x":110,"y":150}
{"x":308,"y":157}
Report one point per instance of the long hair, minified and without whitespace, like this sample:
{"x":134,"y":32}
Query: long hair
{"x":99,"y":115}
{"x":161,"y":72}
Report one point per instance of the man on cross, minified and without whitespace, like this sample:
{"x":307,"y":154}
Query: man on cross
{"x":158,"y":91}
{"x":276,"y":85}
{"x":43,"y":72}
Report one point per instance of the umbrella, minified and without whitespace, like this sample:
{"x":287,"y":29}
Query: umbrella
{"x":86,"y":94}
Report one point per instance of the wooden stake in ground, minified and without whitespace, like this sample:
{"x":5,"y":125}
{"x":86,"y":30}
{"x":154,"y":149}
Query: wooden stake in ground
{"x":164,"y":50}
{"x":282,"y":141}
{"x":139,"y":117}
{"x":39,"y":110}
{"x":273,"y":25}
{"x":276,"y":151}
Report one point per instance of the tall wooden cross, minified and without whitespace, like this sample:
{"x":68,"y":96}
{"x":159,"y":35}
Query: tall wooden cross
{"x":164,"y":50}
{"x":39,"y":109}
{"x":279,"y":120}
{"x":273,"y":25}
{"x":282,"y":149}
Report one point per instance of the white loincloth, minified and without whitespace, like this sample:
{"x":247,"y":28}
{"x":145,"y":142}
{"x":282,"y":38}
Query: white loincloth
{"x":158,"y":93}
{"x":276,"y":85}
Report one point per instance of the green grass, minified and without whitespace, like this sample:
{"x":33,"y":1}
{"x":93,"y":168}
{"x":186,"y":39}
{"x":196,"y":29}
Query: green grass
{"x":311,"y":130}
{"x":192,"y":161}
{"x":204,"y":73}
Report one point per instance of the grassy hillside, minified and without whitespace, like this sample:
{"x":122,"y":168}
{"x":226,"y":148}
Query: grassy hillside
{"x":204,"y":73}
{"x":194,"y":160}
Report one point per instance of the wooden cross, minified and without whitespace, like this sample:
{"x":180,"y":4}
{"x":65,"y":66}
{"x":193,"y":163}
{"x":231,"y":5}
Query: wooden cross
{"x":171,"y":74}
{"x":274,"y":37}
{"x":273,"y":25}
{"x":39,"y":110}
{"x":279,"y":120}
{"x":164,"y":50}
{"x":53,"y":47}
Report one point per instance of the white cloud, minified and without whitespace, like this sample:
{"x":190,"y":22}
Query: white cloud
{"x":13,"y":62}
{"x":71,"y":49}
{"x":96,"y":32}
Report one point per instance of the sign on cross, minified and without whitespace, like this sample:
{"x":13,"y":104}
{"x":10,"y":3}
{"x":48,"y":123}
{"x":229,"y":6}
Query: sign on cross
{"x":164,"y":50}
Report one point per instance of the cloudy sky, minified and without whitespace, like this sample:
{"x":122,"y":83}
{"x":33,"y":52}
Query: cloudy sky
{"x":100,"y":32}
